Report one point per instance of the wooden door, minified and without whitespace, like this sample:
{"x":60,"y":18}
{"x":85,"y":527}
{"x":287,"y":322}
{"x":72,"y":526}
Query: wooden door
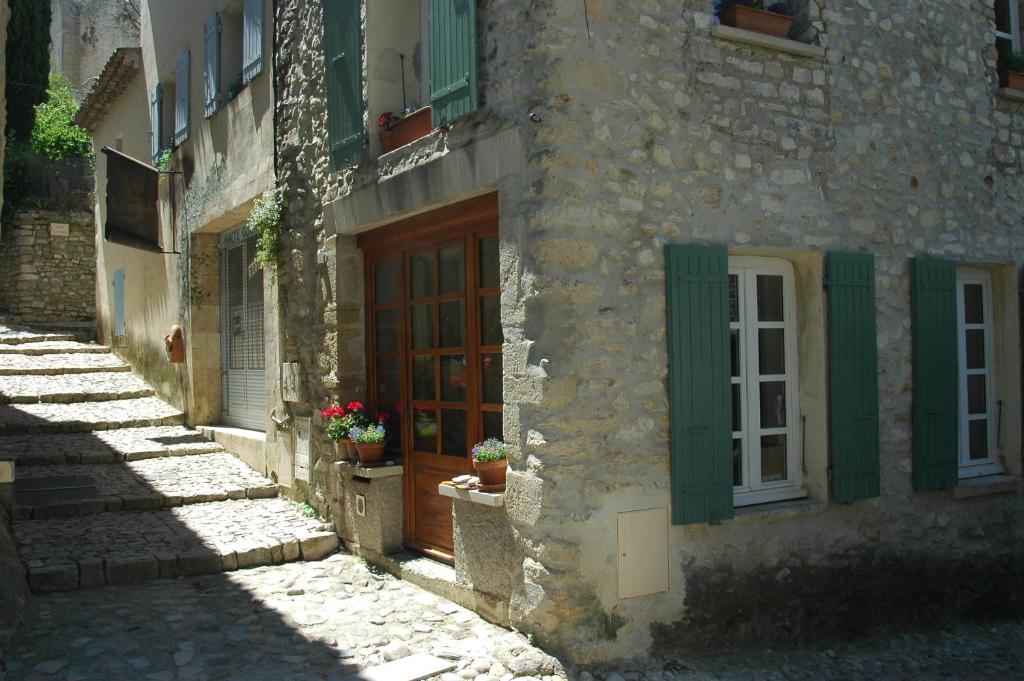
{"x":434,"y":344}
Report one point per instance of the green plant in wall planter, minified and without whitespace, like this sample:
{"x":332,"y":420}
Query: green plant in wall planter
{"x":265,"y":222}
{"x":164,"y":160}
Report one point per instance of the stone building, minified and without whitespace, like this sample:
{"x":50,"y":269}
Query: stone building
{"x":745,"y":309}
{"x":83,"y":33}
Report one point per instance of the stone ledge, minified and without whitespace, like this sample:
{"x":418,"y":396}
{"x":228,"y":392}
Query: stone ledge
{"x":739,"y":35}
{"x":356,"y":471}
{"x":477,"y":497}
{"x":1011,"y":94}
{"x":986,"y":485}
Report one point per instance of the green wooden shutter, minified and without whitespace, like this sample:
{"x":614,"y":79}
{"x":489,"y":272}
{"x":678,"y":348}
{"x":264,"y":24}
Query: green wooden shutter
{"x":700,"y":393}
{"x":343,"y":53}
{"x":853,"y":377}
{"x":936,"y":386}
{"x":453,"y":79}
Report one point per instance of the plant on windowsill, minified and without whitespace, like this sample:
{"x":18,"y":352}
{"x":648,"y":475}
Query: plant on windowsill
{"x":1011,"y":70}
{"x":163,"y":162}
{"x":341,"y":421}
{"x":773,"y":19}
{"x":490,"y":461}
{"x":397,"y":131}
{"x":265,"y":221}
{"x":370,"y":441}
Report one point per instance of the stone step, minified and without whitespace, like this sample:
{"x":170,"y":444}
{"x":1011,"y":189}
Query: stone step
{"x":97,"y":387}
{"x":64,"y":554}
{"x":64,"y":490}
{"x":87,"y":416}
{"x":105,"y":446}
{"x":15,"y":334}
{"x":59,"y":363}
{"x":50,"y":347}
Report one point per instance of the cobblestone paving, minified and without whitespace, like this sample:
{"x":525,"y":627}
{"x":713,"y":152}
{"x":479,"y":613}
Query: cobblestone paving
{"x":87,"y":416}
{"x":72,"y":387}
{"x":133,"y":444}
{"x":104,"y":446}
{"x":59,"y":363}
{"x":67,"y":553}
{"x":51,"y":346}
{"x":17,"y":334}
{"x":151,"y":484}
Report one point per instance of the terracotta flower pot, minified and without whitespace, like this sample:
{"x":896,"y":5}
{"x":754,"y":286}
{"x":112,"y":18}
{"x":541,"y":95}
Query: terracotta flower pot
{"x":350,"y":449}
{"x":491,"y":474}
{"x":757,"y":20}
{"x":370,"y":453}
{"x":1011,"y":79}
{"x":408,"y":129}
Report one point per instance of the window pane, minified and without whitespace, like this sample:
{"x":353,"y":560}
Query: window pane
{"x":737,"y":408}
{"x":394,"y":425}
{"x":737,"y":462}
{"x":1003,"y":15}
{"x":422,"y":326}
{"x":769,"y":298}
{"x":975,"y":341}
{"x":453,"y":324}
{"x":974,"y":307}
{"x":423,"y":378}
{"x":387,"y":330}
{"x":490,"y":267}
{"x":453,"y":432}
{"x":734,"y":298}
{"x":453,"y":378}
{"x":978,"y":439}
{"x":734,"y":347}
{"x":387,"y":379}
{"x":493,"y":425}
{"x":773,"y":458}
{"x":977,"y":394}
{"x":424,"y":430}
{"x":490,"y":321}
{"x":385,"y":282}
{"x":490,"y":371}
{"x":773,"y":404}
{"x":453,"y":270}
{"x":421,"y":273}
{"x":771,"y":349}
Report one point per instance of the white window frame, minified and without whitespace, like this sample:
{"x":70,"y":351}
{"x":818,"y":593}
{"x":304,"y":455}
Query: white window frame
{"x":1014,"y":35}
{"x":746,"y":268}
{"x":990,"y":465}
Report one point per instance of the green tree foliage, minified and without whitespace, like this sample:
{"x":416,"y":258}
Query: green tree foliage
{"x":28,"y":63}
{"x":54,"y":135}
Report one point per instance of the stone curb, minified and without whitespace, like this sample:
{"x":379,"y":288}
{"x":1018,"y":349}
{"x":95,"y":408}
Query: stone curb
{"x":148,"y":502}
{"x":47,"y":427}
{"x":70,"y":398}
{"x":58,"y":371}
{"x":9,"y":349}
{"x":36,"y":338}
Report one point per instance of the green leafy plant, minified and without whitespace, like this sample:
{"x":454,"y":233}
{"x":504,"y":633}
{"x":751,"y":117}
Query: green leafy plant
{"x":371,"y":434}
{"x":491,"y":449}
{"x":54,"y":133}
{"x":344,"y":419}
{"x":265,"y":221}
{"x":164,"y":160}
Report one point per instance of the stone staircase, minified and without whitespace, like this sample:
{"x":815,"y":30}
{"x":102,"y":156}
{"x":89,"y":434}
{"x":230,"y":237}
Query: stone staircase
{"x":111,"y":487}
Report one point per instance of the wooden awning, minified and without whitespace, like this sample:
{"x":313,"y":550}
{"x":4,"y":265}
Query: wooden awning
{"x":132,"y":218}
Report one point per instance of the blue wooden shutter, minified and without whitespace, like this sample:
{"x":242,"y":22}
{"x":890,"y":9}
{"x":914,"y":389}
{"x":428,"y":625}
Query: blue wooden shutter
{"x":936,"y":382}
{"x":211,"y":69}
{"x":252,"y":39}
{"x":156,"y":104}
{"x":853,"y":377}
{"x":119,"y":326}
{"x":700,"y":394}
{"x":453,"y":78}
{"x":181,"y":98}
{"x":343,"y":55}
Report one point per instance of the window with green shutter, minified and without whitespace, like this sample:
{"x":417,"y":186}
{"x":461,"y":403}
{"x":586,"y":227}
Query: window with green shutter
{"x":182,"y":100}
{"x":853,"y":377}
{"x":935,"y":374}
{"x":211,"y":65}
{"x":343,"y":55}
{"x":453,"y":60}
{"x":252,"y":39}
{"x":699,"y":383}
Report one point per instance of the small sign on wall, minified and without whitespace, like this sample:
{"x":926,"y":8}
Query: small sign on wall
{"x":291,"y":382}
{"x":60,"y":229}
{"x":300,"y":445}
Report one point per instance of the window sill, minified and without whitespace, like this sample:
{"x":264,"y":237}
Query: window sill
{"x":739,"y":35}
{"x":776,"y":508}
{"x":768,"y":496}
{"x":990,"y":484}
{"x":472,"y":495}
{"x":1011,"y":94}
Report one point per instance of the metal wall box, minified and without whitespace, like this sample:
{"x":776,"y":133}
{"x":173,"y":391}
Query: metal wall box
{"x":643,"y":552}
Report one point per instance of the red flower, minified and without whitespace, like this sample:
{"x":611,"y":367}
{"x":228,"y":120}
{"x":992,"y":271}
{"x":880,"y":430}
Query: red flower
{"x":386,"y":119}
{"x":383,"y":417}
{"x":355,"y":406}
{"x":332,"y":412}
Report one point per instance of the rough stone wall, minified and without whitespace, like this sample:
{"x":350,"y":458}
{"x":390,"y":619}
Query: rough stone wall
{"x":5,"y":15}
{"x":895,"y":144}
{"x":13,"y":587}
{"x":46,"y":277}
{"x":83,"y":35}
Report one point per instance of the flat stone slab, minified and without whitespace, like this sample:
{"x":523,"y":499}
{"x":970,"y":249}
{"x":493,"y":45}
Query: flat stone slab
{"x":62,"y":554}
{"x":49,"y":347}
{"x":105,"y":446}
{"x":138,"y":485}
{"x":87,"y":416}
{"x":16,"y":334}
{"x":410,"y":668}
{"x":92,"y":387}
{"x":60,"y":363}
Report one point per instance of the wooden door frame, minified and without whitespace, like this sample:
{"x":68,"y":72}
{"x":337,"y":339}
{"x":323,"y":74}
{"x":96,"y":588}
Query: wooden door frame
{"x":397,"y":241}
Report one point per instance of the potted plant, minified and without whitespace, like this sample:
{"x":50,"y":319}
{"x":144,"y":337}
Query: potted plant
{"x":397,"y":131}
{"x":341,"y":421}
{"x":1011,"y":70}
{"x":757,"y":15}
{"x":370,"y":441}
{"x":489,"y":459}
